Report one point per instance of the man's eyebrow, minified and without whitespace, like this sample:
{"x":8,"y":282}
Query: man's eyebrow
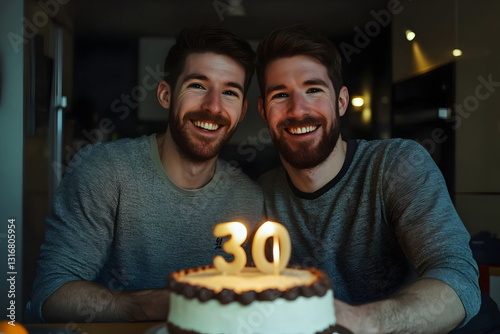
{"x":316,"y":82}
{"x":202,"y":77}
{"x":274,"y":88}
{"x":235,"y":85}
{"x":197,"y":76}
{"x":310,"y":82}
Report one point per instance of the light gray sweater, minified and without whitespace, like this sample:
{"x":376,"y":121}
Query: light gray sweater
{"x":118,"y":219}
{"x":384,"y":220}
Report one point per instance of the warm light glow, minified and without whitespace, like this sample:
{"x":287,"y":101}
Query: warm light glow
{"x":267,"y":228}
{"x":457,"y":52}
{"x":421,"y":61}
{"x":366,"y":115}
{"x":357,"y":101}
{"x":239,"y":229}
{"x":276,"y":255}
{"x":238,"y":234}
{"x":410,"y":35}
{"x":282,"y":248}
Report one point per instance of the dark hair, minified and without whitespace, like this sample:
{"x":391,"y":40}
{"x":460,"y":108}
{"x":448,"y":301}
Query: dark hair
{"x":208,"y":39}
{"x":299,"y":40}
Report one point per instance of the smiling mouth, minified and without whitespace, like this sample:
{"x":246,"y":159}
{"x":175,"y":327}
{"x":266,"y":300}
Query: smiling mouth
{"x":206,"y":125}
{"x":301,"y":130}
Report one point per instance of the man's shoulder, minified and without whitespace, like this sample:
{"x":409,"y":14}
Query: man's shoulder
{"x":388,"y":147}
{"x":99,"y":155}
{"x":233,"y":174}
{"x":232,"y":185}
{"x":386,"y":143}
{"x":272,"y":176}
{"x":116,"y":147}
{"x":125,"y":145}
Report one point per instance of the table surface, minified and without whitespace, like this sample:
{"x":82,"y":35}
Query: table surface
{"x":93,"y":328}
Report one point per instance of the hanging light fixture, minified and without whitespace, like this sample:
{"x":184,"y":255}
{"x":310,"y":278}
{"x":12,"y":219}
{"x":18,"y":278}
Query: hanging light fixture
{"x":410,"y":35}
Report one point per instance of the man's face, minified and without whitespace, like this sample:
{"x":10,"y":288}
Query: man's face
{"x":302,"y":110}
{"x":206,"y":105}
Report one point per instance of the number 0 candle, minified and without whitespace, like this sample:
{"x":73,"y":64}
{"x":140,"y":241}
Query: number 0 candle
{"x":281,"y":249}
{"x":238,"y":234}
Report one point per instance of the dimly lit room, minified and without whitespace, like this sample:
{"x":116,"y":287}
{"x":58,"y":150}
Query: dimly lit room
{"x":76,"y":76}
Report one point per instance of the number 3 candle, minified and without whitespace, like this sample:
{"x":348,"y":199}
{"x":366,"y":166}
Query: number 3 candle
{"x":238,"y":233}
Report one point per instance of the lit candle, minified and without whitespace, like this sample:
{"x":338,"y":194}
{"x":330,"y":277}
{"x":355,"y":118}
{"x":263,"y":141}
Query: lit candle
{"x":282,"y":247}
{"x":238,"y":234}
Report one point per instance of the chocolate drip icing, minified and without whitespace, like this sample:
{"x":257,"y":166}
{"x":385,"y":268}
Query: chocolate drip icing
{"x":318,"y":288}
{"x":246,"y":297}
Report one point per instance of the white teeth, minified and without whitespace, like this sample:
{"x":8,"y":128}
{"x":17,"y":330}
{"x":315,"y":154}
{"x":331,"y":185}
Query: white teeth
{"x":305,"y":129}
{"x":206,"y":126}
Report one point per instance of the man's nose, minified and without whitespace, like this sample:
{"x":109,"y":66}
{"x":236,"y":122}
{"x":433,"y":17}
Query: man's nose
{"x":298,"y":105}
{"x":212,"y":102}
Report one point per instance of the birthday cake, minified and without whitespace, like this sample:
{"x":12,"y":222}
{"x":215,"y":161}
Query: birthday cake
{"x":204,"y":300}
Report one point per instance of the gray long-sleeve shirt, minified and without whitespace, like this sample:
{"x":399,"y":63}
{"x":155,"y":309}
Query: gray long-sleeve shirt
{"x":383,"y":221}
{"x":118,"y":219}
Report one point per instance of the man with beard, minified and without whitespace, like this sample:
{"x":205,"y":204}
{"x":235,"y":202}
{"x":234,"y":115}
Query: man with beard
{"x":374,"y":215}
{"x":130,"y":212}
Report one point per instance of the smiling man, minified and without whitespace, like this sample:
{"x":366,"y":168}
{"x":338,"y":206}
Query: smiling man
{"x":130,"y":212}
{"x":375,"y":215}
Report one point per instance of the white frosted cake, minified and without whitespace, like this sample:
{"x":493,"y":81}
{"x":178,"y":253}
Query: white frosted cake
{"x":205,"y":301}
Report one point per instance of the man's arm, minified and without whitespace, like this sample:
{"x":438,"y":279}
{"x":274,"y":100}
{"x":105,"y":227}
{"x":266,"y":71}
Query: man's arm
{"x":425,"y":306}
{"x":82,"y":301}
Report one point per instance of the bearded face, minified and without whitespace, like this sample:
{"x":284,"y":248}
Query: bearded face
{"x":205,"y":105}
{"x":306,"y":154}
{"x":199,"y":148}
{"x":302,"y":110}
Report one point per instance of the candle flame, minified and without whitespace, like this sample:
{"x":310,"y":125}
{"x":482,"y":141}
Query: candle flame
{"x":276,"y":256}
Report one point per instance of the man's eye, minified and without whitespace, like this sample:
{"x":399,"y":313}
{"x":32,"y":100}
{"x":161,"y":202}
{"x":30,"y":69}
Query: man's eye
{"x":279,"y":95}
{"x":314,"y":90}
{"x":231,"y":93}
{"x":195,"y":85}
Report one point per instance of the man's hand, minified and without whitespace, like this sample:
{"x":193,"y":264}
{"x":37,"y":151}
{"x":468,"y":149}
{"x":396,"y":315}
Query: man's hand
{"x":354,"y":318}
{"x":150,"y":305}
{"x":82,"y":301}
{"x":425,"y":306}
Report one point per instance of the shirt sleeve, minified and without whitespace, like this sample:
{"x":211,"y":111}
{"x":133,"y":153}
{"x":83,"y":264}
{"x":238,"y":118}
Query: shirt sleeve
{"x":427,"y":225}
{"x":79,"y":228}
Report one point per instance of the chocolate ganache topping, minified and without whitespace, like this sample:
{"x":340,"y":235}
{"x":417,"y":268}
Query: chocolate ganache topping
{"x":318,"y":288}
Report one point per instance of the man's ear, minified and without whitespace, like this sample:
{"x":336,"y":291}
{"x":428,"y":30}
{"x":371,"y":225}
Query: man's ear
{"x":260,"y":106}
{"x":244,"y":109}
{"x":343,"y":100}
{"x":164,"y":94}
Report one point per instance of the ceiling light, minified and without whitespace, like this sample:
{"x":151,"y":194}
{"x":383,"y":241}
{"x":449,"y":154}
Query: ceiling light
{"x":357,"y":101}
{"x":410,"y":35}
{"x":457,"y":52}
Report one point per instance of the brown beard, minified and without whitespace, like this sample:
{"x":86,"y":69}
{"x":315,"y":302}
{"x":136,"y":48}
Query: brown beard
{"x":305,"y":156}
{"x":198,"y":150}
